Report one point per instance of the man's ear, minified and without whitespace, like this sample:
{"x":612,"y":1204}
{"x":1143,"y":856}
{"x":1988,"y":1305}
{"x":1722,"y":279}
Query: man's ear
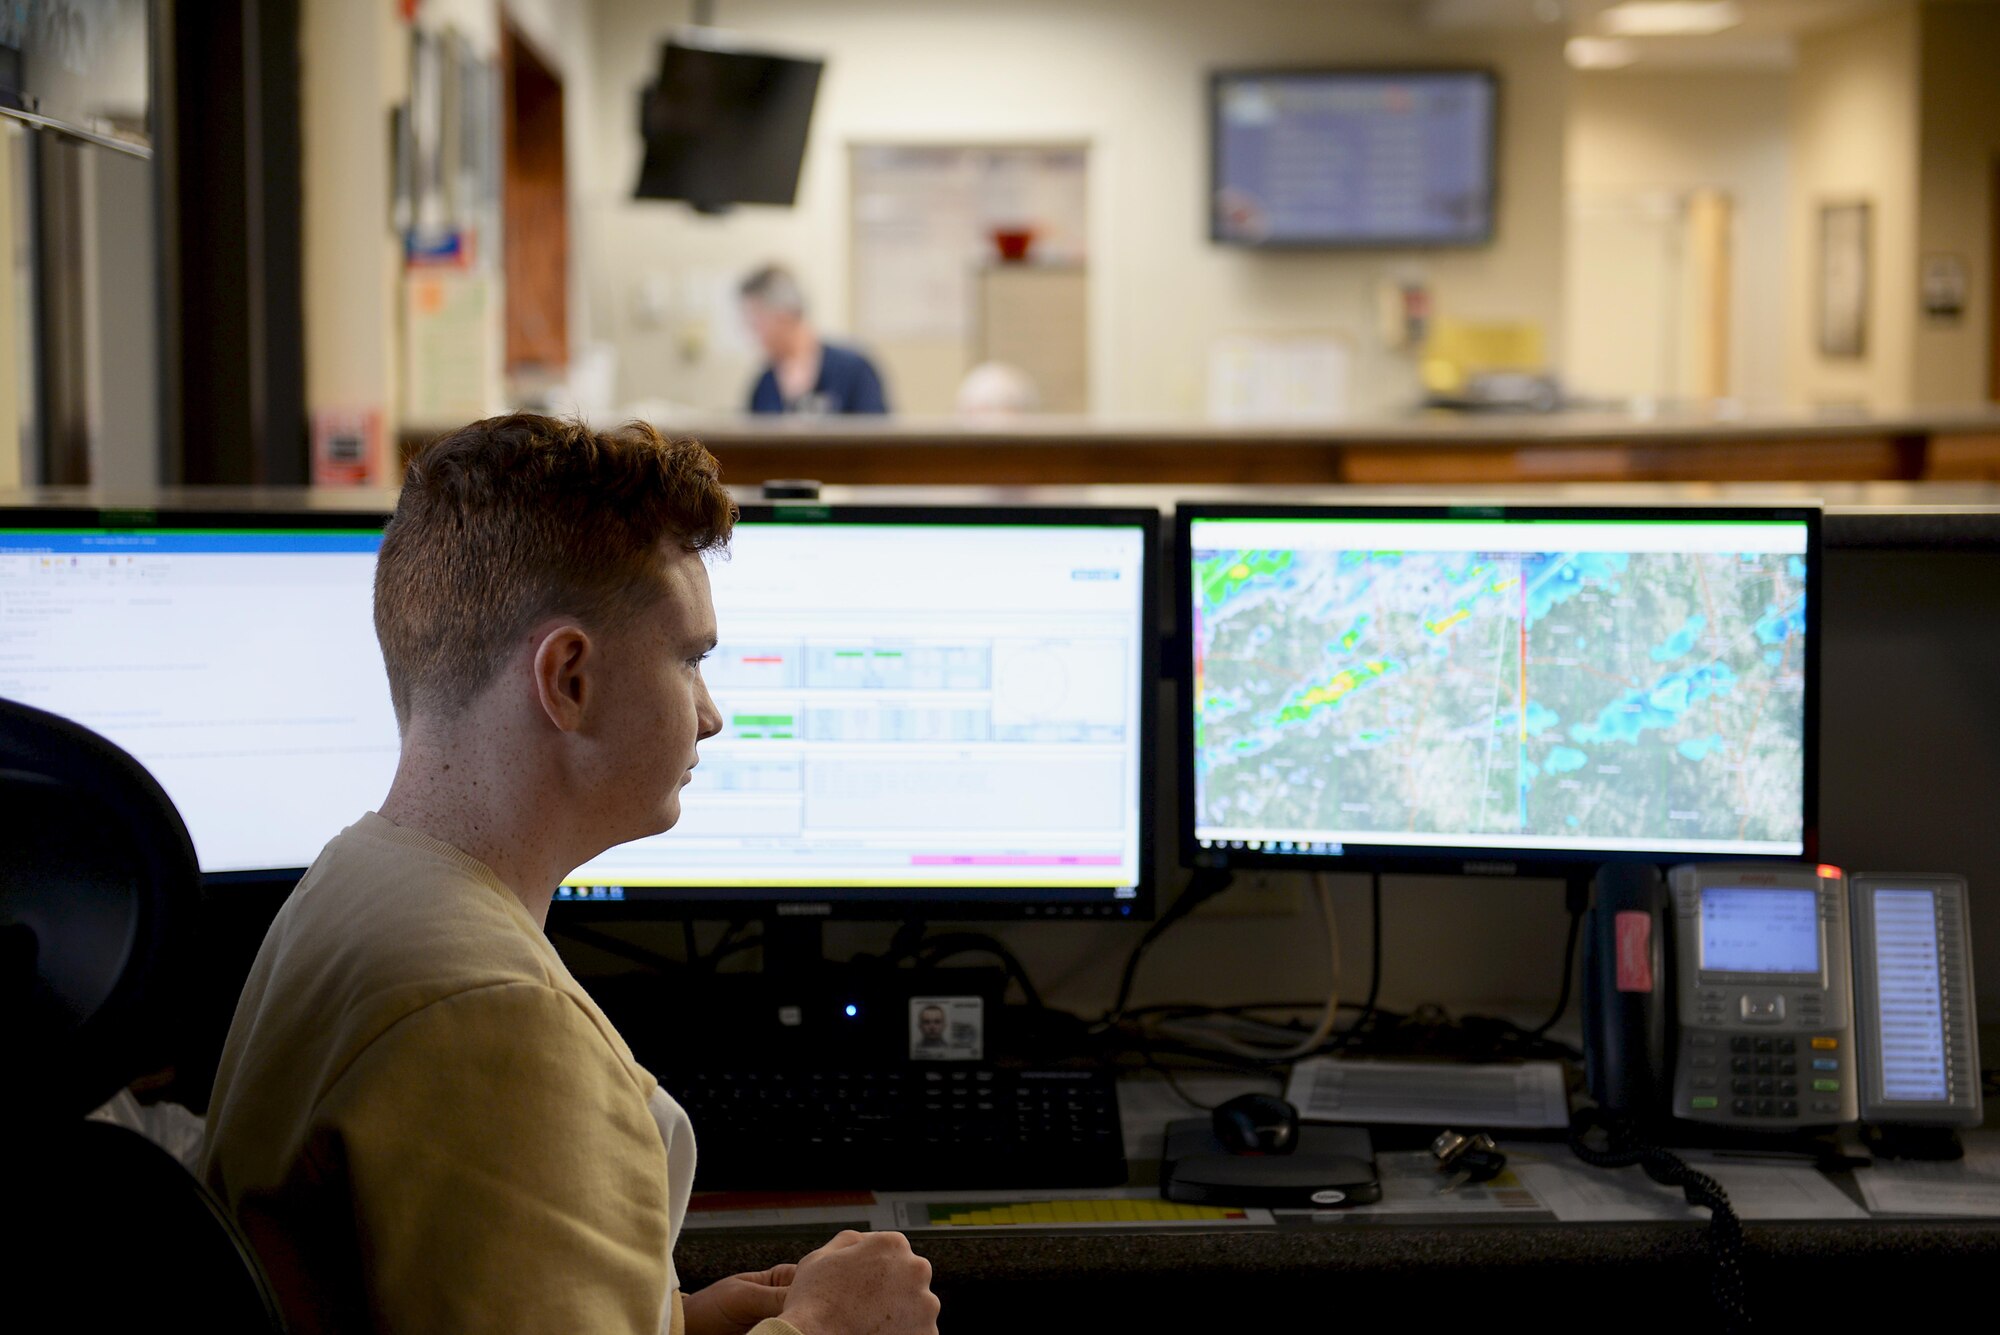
{"x":562,"y":683}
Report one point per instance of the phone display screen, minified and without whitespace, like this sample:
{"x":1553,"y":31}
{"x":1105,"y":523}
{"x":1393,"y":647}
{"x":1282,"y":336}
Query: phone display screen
{"x":1760,"y":931}
{"x":1910,"y":1033}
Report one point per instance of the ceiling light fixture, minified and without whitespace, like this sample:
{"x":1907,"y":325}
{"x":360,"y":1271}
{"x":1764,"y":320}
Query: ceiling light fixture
{"x":1599,"y":53}
{"x":1670,"y":18}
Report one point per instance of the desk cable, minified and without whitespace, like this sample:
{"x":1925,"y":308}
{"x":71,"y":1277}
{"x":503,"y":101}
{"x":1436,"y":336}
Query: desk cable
{"x":1260,"y":1040}
{"x":1568,"y":972}
{"x":1623,"y":1148}
{"x":1227,"y":1029}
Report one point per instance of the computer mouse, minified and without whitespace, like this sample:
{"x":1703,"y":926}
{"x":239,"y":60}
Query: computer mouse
{"x":1257,"y":1124}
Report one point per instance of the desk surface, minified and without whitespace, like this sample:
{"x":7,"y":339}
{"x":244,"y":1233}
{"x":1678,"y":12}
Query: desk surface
{"x":1303,"y":1265}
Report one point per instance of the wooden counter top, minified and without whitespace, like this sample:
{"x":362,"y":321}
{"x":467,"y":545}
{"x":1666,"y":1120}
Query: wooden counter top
{"x":1953,"y":443}
{"x":1423,"y":428}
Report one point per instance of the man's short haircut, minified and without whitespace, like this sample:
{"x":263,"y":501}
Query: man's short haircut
{"x":775,"y":287}
{"x":515,"y":519}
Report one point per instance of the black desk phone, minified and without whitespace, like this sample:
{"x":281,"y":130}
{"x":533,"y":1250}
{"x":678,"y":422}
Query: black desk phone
{"x":1779,"y":997}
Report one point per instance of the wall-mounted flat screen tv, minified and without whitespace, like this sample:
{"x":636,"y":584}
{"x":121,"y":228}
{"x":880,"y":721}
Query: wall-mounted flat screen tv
{"x":724,"y":124}
{"x":1353,"y":157}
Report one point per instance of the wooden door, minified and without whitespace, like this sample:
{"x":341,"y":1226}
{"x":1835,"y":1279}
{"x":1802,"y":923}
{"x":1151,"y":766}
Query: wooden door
{"x":1993,"y":290}
{"x":535,"y":224}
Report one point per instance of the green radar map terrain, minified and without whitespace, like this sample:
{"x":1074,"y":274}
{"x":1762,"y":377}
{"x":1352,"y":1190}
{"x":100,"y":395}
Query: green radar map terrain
{"x":1563,"y":696}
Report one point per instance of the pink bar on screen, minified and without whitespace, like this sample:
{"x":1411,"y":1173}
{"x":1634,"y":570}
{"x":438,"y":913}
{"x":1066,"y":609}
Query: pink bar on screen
{"x":1015,"y":860}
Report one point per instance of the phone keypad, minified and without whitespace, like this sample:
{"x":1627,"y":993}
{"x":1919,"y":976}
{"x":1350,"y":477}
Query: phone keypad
{"x":1764,"y":1078}
{"x":1768,"y":1088}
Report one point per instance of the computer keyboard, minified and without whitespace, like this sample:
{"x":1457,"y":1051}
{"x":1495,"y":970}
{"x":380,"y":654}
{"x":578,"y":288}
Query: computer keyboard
{"x":912,"y":1128}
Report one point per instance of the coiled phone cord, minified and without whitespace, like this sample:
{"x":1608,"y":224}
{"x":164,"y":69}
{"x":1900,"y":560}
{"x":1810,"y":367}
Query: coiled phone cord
{"x":1725,"y":1230}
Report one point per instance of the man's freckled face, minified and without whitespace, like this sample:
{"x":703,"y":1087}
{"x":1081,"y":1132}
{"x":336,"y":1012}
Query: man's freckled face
{"x":660,"y":706}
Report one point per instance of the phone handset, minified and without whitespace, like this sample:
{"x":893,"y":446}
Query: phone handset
{"x":1626,"y":990}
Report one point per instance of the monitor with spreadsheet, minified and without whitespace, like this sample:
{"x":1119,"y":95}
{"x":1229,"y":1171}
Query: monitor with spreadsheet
{"x":936,"y":710}
{"x":945,"y":707}
{"x":233,"y":655}
{"x":1497,"y":689}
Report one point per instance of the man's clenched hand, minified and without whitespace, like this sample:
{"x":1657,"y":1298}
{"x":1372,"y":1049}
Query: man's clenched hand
{"x":862,"y":1284}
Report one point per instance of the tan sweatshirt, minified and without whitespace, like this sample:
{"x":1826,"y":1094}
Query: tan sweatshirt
{"x":425,"y":1124}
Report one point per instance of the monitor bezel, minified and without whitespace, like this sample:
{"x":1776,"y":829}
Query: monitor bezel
{"x":1219,"y":78}
{"x":924,"y":902}
{"x":1505,"y":862}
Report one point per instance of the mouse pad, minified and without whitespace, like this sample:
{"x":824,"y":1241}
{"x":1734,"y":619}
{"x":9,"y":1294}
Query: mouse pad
{"x":1333,"y":1166}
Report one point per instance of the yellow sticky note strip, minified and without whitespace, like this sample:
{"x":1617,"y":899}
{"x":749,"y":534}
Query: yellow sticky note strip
{"x":1074,"y":1212}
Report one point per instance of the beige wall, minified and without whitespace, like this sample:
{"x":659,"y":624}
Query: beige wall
{"x":1854,"y":136}
{"x":1130,"y":79}
{"x":1960,"y":147}
{"x":353,"y":71}
{"x":1902,"y":109}
{"x":121,"y":319}
{"x":1858,"y":122}
{"x":1636,"y":134}
{"x":11,"y":388}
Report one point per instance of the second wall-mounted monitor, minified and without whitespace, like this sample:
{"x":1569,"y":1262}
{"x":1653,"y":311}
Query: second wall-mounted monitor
{"x":1497,"y":690}
{"x":1353,"y":158}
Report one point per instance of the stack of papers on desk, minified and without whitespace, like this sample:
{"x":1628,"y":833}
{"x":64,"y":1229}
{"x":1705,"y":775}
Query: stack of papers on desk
{"x":1410,"y":1180}
{"x":1578,"y":1193}
{"x":1452,"y":1094}
{"x":1967,"y":1187}
{"x":831,"y":1210}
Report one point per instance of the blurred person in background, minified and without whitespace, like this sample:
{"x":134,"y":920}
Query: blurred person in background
{"x":804,"y":373}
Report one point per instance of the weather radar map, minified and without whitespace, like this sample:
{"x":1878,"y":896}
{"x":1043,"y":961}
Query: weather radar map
{"x":1549,"y":684}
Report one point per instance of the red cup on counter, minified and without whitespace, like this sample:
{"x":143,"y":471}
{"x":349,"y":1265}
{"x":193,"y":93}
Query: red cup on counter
{"x":1013,"y":242}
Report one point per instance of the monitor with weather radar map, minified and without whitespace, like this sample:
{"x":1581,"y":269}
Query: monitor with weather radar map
{"x":1496,"y":688}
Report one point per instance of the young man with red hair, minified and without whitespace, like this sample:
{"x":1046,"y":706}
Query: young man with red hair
{"x":421,"y":1119}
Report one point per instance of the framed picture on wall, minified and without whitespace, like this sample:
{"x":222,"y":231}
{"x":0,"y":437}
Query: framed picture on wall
{"x":1843,"y":278}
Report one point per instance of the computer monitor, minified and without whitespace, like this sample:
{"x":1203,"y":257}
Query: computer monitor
{"x":724,"y":124}
{"x":927,"y":712}
{"x":939,"y":712}
{"x":1353,"y":158}
{"x":233,"y":655}
{"x":1497,"y":690}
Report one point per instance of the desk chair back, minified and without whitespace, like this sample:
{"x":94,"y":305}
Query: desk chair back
{"x":98,"y":895}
